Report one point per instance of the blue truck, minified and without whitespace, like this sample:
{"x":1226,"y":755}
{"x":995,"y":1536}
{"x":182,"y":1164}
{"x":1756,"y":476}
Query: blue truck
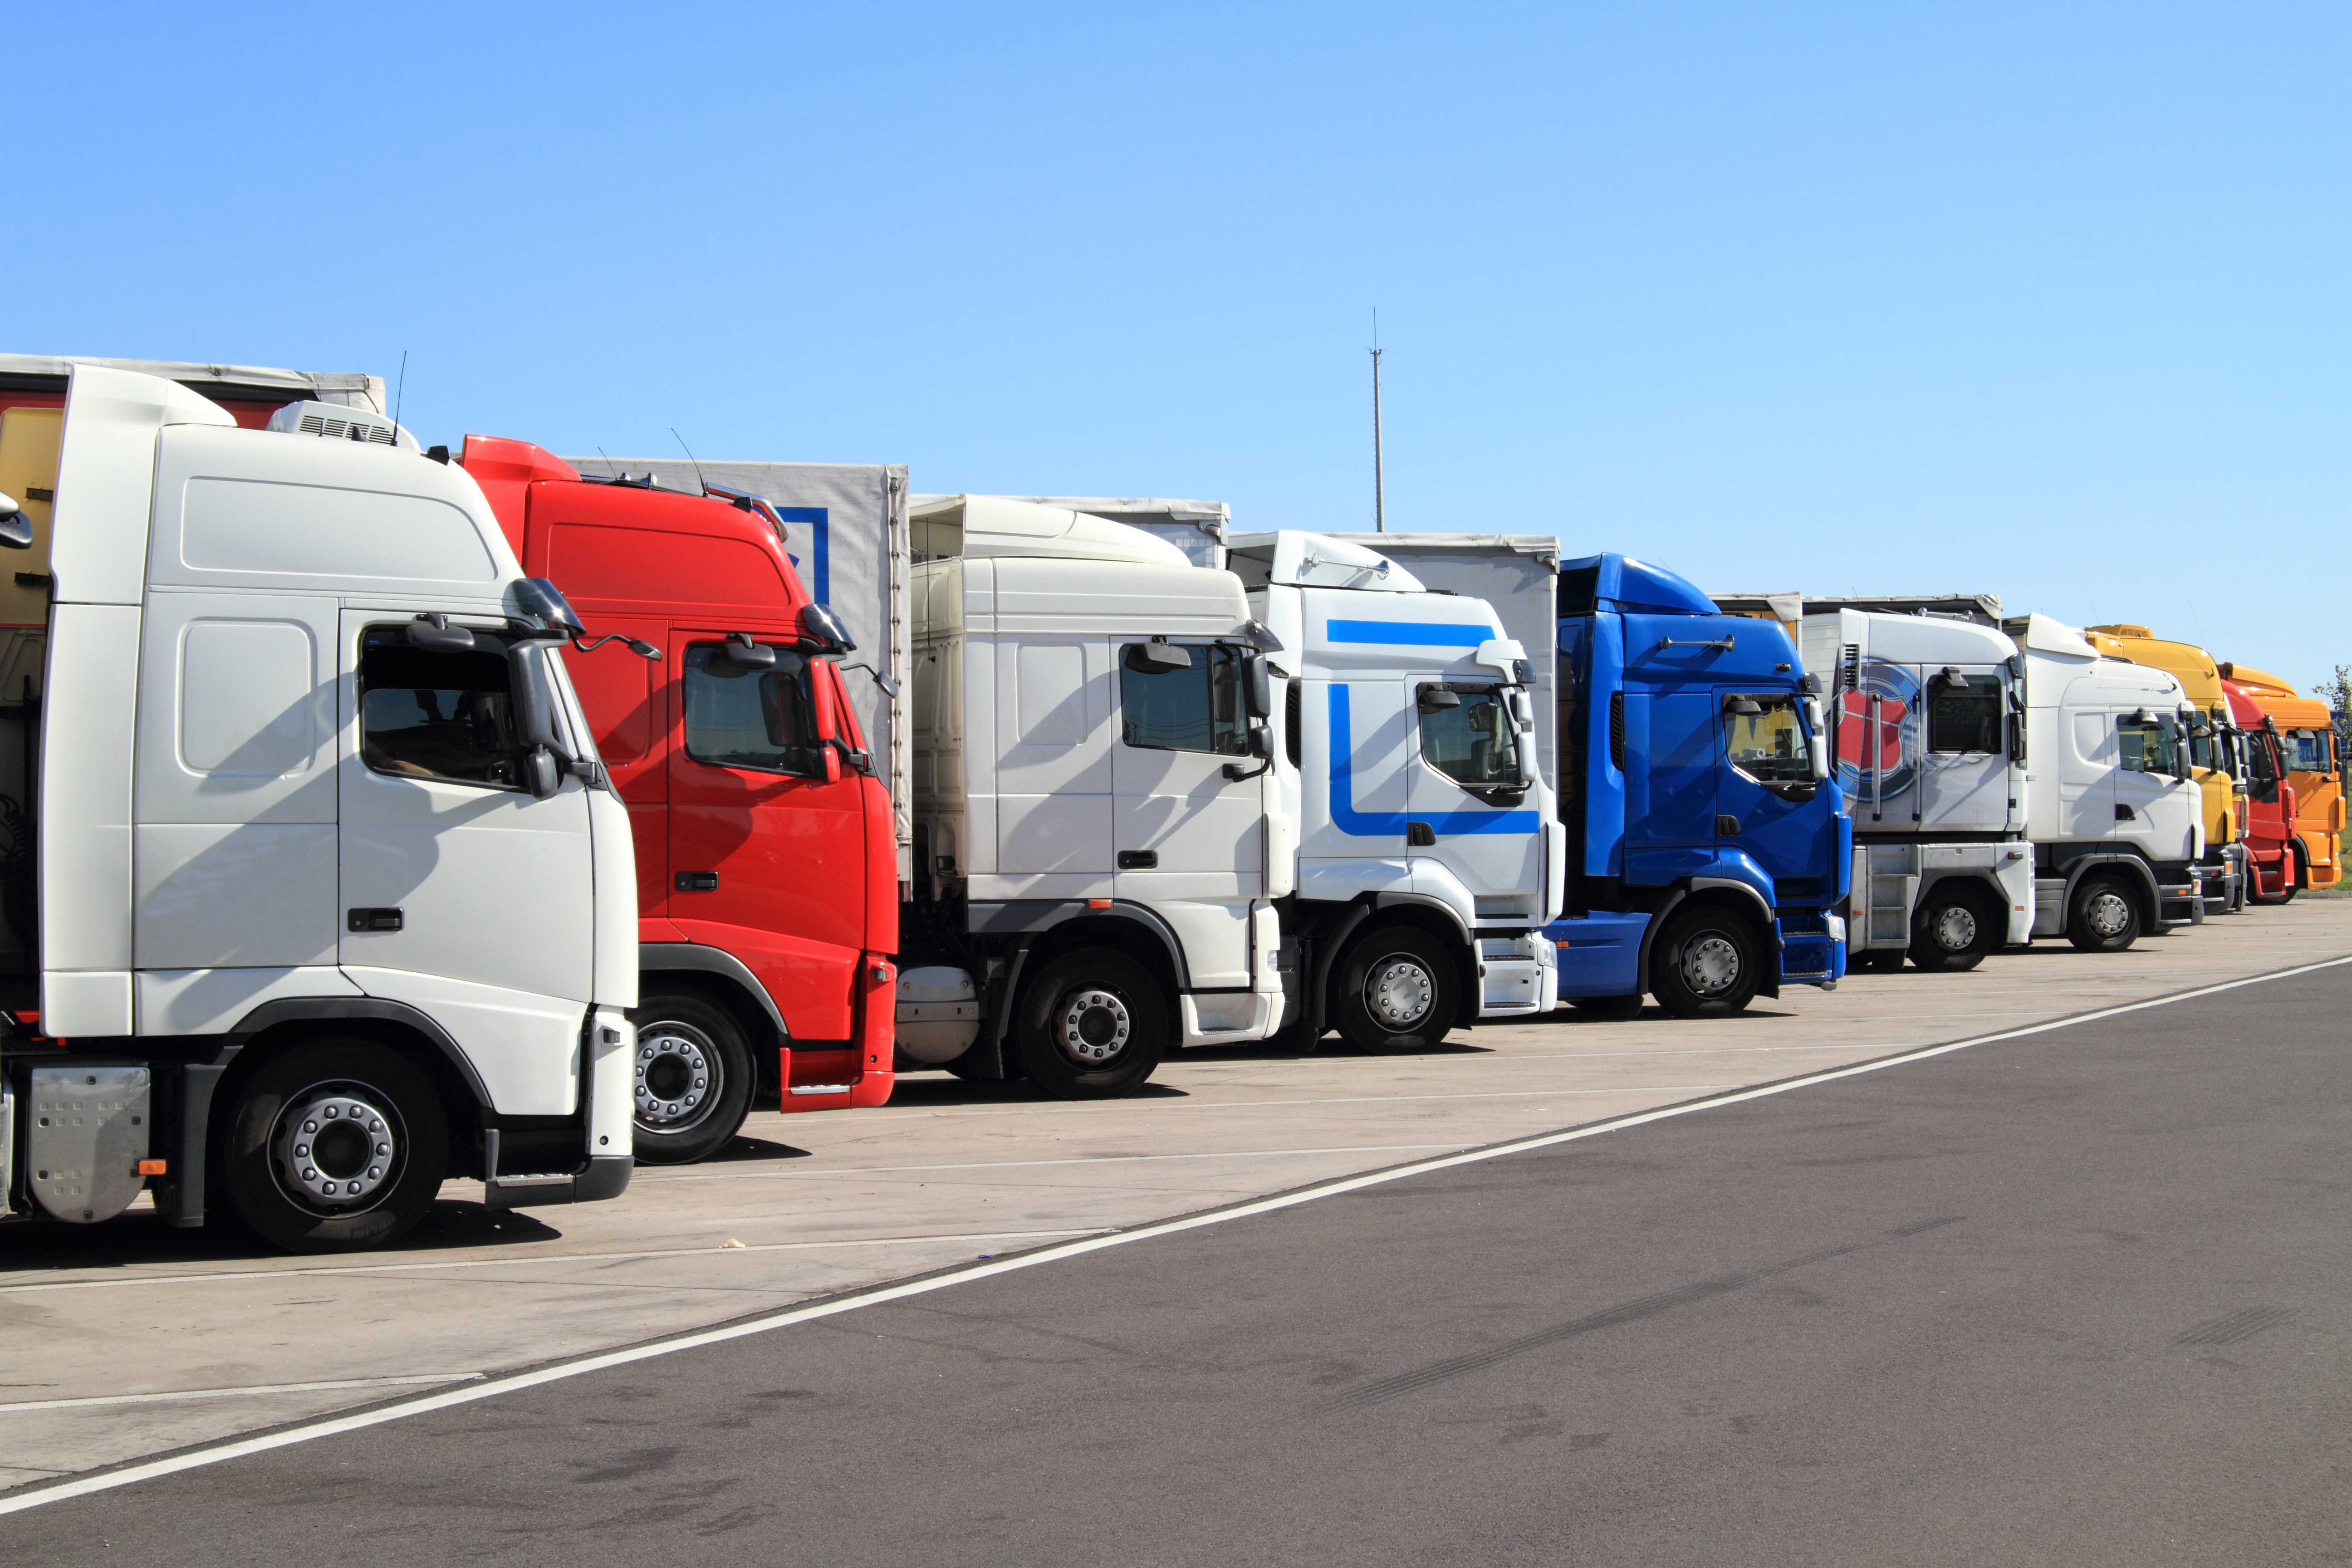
{"x":1708,"y":845}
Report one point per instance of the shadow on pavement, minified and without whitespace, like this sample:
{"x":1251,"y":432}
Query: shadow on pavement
{"x":30,"y":1246}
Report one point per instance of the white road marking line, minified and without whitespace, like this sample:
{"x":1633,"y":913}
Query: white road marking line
{"x":1074,"y":1160}
{"x":1368,"y":1098}
{"x":512,"y":1259}
{"x":174,"y":1394}
{"x":35,"y":1494}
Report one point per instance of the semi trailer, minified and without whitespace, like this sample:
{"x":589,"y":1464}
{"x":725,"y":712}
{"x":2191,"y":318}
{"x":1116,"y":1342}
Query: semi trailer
{"x":334,"y":899}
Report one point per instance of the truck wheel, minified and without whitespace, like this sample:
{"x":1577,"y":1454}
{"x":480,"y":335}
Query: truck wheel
{"x":333,"y":1147}
{"x":1094,"y":1024}
{"x":1951,"y":931}
{"x":2105,"y":918}
{"x":693,"y":1077}
{"x":1397,"y":990}
{"x":1705,"y":964}
{"x":1616,"y":1008}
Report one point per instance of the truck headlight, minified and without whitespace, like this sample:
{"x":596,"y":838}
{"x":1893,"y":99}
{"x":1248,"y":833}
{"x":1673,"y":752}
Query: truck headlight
{"x":1835,"y":925}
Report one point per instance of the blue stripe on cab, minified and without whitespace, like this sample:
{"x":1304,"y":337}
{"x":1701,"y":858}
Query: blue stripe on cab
{"x":1410,"y":634}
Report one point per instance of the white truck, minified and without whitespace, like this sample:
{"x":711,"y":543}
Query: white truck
{"x":1930,"y":722}
{"x":333,"y":899}
{"x":2112,"y":807}
{"x":1429,"y":855}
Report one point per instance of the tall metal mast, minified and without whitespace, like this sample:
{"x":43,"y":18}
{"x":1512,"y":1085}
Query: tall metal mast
{"x":1380,"y":489}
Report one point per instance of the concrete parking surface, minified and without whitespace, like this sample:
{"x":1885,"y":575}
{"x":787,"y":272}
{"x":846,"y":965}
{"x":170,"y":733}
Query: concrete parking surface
{"x":149,"y":1340}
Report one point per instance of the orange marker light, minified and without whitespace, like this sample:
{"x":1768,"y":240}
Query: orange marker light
{"x":151,"y":1168}
{"x":1097,"y":904}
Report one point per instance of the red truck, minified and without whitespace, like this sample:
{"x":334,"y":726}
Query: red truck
{"x":767,"y":864}
{"x":2268,"y":802}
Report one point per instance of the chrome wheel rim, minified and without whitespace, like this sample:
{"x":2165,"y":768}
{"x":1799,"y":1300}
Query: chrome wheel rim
{"x":677,"y":1079}
{"x":1711,"y":964}
{"x":1954,"y":928}
{"x":1093,"y":1025}
{"x":2107,"y":912}
{"x":1400,"y":991}
{"x":336,"y":1146}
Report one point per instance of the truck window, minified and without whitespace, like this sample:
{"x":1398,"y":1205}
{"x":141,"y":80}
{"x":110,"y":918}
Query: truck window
{"x":1474,"y":744}
{"x":2307,"y":751}
{"x":1769,"y":747}
{"x":1197,"y":708}
{"x":447,"y":716}
{"x":1965,"y":719}
{"x":762,"y":721}
{"x":2145,"y":748}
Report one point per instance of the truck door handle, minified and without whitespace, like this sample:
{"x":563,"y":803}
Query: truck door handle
{"x":1420,"y":835}
{"x":2124,"y":814}
{"x":1726,"y":827}
{"x":372,"y":920}
{"x":1138,"y":859}
{"x":697,"y":881}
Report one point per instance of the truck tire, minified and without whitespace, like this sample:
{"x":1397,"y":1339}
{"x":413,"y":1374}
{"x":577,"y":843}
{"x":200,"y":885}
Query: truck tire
{"x":1952,"y":931}
{"x":335,"y":1146}
{"x":1705,"y":963}
{"x":692,"y":1079}
{"x":1615,"y":1009}
{"x":2103,"y":916}
{"x":1398,"y":989}
{"x":1093,"y":1023}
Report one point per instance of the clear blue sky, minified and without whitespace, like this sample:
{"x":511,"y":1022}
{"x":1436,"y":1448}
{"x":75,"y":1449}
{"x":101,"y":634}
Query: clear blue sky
{"x":2049,"y":301}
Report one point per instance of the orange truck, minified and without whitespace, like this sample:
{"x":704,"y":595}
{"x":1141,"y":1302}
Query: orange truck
{"x":2307,"y":733}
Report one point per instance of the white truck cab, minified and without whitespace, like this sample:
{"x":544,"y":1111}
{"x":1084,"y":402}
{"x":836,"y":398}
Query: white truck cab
{"x":1093,"y":808}
{"x":1428,"y":852}
{"x":2112,"y":810}
{"x":1930,"y":740}
{"x":334,"y":899}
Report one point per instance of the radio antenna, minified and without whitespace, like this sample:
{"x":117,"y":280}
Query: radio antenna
{"x":691,"y":457}
{"x":607,"y":455}
{"x":401,"y":396}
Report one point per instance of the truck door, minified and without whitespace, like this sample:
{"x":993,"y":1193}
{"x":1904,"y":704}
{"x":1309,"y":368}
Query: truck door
{"x":1189,"y":839}
{"x":1468,"y":782}
{"x":1672,"y":755}
{"x":1765,"y":788}
{"x":1966,"y":762}
{"x":626,"y":701}
{"x":767,"y":857}
{"x":462,"y":896}
{"x":2085,"y":765}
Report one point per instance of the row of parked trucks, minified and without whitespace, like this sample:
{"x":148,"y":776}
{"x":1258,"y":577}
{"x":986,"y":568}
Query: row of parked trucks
{"x":378,"y":815}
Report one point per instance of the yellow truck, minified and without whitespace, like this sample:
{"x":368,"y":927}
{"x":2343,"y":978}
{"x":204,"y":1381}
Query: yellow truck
{"x":2213,"y":751}
{"x":2307,"y":735}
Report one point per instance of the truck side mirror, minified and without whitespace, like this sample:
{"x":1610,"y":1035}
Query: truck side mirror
{"x":1257,"y":686}
{"x":1435,"y":698}
{"x":545,"y":603}
{"x":832,"y":756}
{"x":1744,"y":707}
{"x":16,"y":527}
{"x":744,"y":653}
{"x":825,"y":630}
{"x":438,"y":636}
{"x":534,"y":715}
{"x":1261,"y":740}
{"x":1161,"y":654}
{"x":541,"y":772}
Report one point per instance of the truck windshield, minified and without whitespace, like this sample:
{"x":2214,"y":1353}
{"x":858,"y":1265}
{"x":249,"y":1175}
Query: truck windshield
{"x":739,"y":715}
{"x":1965,"y":718}
{"x":1476,"y":743}
{"x":2147,"y":747}
{"x":447,"y":716}
{"x":2204,"y":749}
{"x":1193,"y":707}
{"x":2308,"y":752}
{"x":1769,"y":747}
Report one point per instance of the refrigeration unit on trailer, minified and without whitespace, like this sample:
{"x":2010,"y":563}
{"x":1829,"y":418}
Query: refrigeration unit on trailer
{"x":1708,"y":845}
{"x":2116,"y":820}
{"x":768,"y":871}
{"x":1929,"y":713}
{"x":2214,"y":746}
{"x":2314,"y":766}
{"x":1424,"y":860}
{"x":1095,"y":835}
{"x":334,"y":898}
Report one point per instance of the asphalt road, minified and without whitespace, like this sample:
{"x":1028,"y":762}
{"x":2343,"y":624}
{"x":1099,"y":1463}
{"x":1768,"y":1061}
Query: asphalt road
{"x":2078,"y":1298}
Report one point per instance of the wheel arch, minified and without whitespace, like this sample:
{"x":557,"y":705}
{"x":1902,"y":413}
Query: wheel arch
{"x":1722,"y":892}
{"x":1434,"y":918}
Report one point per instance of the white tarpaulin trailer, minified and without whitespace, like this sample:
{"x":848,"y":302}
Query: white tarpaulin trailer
{"x":847,"y":527}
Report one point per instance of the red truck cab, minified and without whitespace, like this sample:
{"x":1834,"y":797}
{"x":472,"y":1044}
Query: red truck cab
{"x":2268,"y":802}
{"x":767,"y":873}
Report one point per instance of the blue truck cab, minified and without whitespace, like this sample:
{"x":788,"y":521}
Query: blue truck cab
{"x":1708,"y":845}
